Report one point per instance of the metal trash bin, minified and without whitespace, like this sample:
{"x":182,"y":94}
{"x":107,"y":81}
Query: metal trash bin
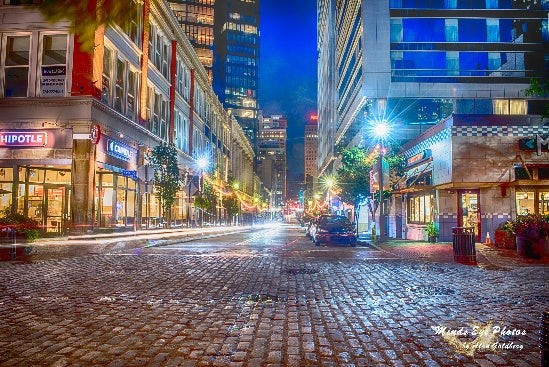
{"x":464,"y":245}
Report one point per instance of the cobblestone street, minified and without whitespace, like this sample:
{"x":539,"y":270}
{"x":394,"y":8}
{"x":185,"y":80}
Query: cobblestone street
{"x":267,"y":298}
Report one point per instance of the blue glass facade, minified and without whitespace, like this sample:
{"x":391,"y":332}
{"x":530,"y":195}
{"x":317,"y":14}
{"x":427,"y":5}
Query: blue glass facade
{"x":438,"y":41}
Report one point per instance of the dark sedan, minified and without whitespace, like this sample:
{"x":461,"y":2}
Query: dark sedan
{"x":334,"y":228}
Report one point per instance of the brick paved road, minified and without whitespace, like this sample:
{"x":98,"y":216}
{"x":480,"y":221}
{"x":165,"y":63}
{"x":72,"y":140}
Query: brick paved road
{"x":268,"y":298}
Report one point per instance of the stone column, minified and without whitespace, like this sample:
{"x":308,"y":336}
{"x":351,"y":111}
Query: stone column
{"x":83,"y":184}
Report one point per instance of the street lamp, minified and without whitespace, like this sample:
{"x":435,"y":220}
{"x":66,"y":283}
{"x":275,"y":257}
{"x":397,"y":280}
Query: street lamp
{"x":236,"y":186}
{"x":381,"y":131}
{"x":202,"y":163}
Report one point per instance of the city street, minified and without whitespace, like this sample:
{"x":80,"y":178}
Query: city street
{"x":267,"y":297}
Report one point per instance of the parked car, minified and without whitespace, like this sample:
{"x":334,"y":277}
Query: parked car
{"x":334,"y":228}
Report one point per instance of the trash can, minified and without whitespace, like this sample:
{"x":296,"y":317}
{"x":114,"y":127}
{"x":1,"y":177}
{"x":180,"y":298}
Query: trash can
{"x":464,"y":245}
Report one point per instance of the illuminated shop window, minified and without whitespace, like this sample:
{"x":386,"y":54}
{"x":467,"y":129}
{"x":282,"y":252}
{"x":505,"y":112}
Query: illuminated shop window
{"x":543,"y":201}
{"x":421,"y":209}
{"x":525,"y":202}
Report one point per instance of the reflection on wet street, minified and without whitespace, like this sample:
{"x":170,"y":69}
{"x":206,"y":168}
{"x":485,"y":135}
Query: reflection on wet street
{"x":266,"y":296}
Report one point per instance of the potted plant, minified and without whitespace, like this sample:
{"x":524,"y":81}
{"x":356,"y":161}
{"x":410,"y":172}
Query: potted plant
{"x":532,"y":232}
{"x":432,"y":232}
{"x":504,"y":236}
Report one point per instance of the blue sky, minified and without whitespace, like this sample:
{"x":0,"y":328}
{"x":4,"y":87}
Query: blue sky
{"x":288,"y":72}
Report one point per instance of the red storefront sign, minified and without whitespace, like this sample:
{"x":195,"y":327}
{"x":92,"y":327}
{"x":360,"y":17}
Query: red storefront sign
{"x":23,"y":138}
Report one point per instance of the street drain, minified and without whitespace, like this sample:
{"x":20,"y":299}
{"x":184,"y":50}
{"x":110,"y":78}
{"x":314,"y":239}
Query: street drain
{"x":263,"y":298}
{"x":296,"y":271}
{"x":427,"y":290}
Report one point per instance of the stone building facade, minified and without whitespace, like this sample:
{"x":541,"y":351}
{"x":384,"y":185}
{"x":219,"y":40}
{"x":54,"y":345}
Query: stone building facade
{"x":471,"y":171}
{"x":76,"y":127}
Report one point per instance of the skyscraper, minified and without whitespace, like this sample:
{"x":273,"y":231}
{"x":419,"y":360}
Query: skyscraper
{"x":236,"y":61}
{"x":311,"y":153}
{"x":271,"y":165}
{"x":196,"y":18}
{"x":416,"y":62}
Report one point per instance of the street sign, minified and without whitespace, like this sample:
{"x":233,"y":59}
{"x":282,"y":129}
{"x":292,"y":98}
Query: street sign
{"x":145,"y":187}
{"x":130,"y":173}
{"x":145,"y":173}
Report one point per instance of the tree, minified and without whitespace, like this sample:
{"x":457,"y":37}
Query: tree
{"x":86,"y":16}
{"x":206,"y":199}
{"x":354,"y":175}
{"x":540,"y":90}
{"x":231,"y":203}
{"x":163,"y":160}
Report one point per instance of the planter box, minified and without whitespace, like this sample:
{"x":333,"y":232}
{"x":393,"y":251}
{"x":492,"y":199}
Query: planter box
{"x":504,"y":240}
{"x":536,"y":248}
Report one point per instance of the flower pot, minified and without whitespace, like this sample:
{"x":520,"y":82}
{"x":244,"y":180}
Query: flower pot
{"x":531,"y":247}
{"x":432,"y":239}
{"x":503,"y":239}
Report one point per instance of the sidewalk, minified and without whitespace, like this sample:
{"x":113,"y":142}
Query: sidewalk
{"x":56,"y":247}
{"x":442,"y":252}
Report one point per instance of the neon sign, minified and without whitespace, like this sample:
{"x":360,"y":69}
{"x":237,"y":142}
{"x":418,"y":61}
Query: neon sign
{"x":119,"y":150}
{"x":23,"y":139}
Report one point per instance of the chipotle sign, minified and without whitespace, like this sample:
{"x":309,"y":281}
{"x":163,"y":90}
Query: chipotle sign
{"x":23,"y":139}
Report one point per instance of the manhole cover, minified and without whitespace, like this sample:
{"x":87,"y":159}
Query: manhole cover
{"x":427,"y":290}
{"x":263,"y":298}
{"x":295,"y":271}
{"x":432,"y":269}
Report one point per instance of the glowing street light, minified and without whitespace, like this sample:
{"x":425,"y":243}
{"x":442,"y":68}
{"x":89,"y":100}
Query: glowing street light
{"x":381,"y":131}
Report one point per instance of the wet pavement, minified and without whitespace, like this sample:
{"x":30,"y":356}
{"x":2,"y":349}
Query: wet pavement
{"x":269,"y":297}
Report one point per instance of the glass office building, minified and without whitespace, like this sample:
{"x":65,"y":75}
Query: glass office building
{"x":418,"y":61}
{"x":196,"y":18}
{"x":456,"y":56}
{"x":236,"y":62}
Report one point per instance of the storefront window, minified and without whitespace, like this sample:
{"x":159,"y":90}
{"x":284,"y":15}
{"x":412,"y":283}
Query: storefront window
{"x":525,"y":202}
{"x":421,"y":209}
{"x":106,"y":199}
{"x":6,"y":178}
{"x":544,"y":202}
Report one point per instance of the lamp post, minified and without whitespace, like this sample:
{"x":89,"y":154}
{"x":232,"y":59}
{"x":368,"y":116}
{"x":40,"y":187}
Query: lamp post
{"x":202,"y":163}
{"x":329,"y":185}
{"x":236,"y":186}
{"x":381,"y":131}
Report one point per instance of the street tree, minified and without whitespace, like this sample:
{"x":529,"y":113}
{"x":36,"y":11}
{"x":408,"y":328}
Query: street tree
{"x":163,"y":160}
{"x":353,"y":176}
{"x":538,"y":89}
{"x":86,"y":16}
{"x":231,"y":203}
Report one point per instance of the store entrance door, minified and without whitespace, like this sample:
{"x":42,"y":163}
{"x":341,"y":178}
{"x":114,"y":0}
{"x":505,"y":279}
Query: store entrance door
{"x":57,"y":215}
{"x":469,"y":210}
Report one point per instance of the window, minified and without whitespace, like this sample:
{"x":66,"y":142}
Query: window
{"x":509,"y":107}
{"x":119,"y":100}
{"x":451,"y":30}
{"x":421,"y":209}
{"x":131,"y":108}
{"x":500,"y":106}
{"x":107,"y":76}
{"x":54,"y":65}
{"x":517,"y":107}
{"x":16,"y":66}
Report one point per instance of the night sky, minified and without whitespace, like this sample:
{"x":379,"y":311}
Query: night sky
{"x":288,"y":72}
